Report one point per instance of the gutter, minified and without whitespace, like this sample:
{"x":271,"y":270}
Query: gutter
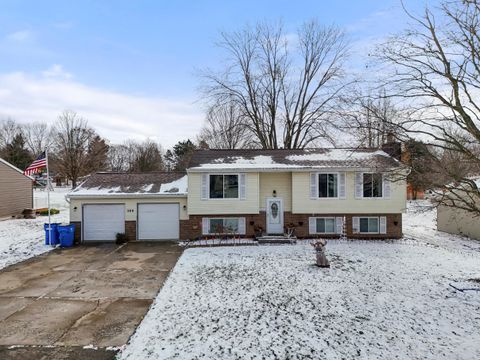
{"x":123,"y":195}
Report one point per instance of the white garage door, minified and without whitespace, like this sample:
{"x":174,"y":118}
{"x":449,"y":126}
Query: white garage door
{"x":158,"y":221}
{"x":103,"y":222}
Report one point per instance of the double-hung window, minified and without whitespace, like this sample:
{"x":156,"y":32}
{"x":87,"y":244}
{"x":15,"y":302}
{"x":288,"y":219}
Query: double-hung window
{"x":223,"y":186}
{"x":228,"y":225}
{"x":372,"y":185}
{"x":327,"y":185}
{"x":223,"y":226}
{"x":325,"y":225}
{"x":369,"y":225}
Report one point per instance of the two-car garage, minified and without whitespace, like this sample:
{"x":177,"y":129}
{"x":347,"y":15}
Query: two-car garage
{"x":155,"y":221}
{"x":143,"y":206}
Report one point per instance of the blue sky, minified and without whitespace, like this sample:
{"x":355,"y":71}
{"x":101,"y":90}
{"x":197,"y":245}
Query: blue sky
{"x":130,"y":67}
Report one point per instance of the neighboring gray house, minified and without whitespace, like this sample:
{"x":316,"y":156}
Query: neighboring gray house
{"x":457,"y":221}
{"x":16,"y":190}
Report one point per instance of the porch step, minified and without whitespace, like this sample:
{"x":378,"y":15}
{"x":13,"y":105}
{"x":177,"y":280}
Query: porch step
{"x":277,"y":239}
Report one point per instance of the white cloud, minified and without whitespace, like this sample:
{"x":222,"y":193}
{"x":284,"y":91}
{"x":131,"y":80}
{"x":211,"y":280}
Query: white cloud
{"x":56,"y":71}
{"x":116,"y":116}
{"x":20,"y":36}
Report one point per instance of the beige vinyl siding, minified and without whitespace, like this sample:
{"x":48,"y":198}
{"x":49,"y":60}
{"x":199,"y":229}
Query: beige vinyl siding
{"x":16,"y":191}
{"x":130,"y":205}
{"x":282,"y":183}
{"x":197,"y":206}
{"x":458,"y":221}
{"x":303,"y":204}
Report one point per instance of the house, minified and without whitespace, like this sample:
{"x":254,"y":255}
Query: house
{"x":16,"y":190}
{"x":458,"y":221}
{"x":317,"y":192}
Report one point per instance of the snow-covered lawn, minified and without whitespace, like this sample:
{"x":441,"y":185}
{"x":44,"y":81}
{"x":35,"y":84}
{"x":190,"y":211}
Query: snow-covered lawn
{"x":379,"y":300}
{"x":21,"y":239}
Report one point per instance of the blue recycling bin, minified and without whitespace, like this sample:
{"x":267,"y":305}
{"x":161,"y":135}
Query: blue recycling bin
{"x":51,"y":234}
{"x":66,"y":235}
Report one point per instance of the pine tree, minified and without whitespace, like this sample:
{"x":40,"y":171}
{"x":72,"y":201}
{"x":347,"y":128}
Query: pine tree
{"x":17,"y":154}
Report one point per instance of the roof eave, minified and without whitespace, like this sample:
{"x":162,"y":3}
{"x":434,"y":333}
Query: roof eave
{"x":124,"y":195}
{"x":288,"y":169}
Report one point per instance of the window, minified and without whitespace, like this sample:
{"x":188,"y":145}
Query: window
{"x":223,"y":186}
{"x":372,"y":185}
{"x":325,"y":225}
{"x":369,"y":225}
{"x":327,"y":185}
{"x":223,"y":225}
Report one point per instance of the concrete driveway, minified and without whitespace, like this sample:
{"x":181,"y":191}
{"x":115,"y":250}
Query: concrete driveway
{"x":53,"y":305}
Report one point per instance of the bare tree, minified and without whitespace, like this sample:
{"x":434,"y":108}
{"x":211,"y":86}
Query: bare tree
{"x":73,"y":137}
{"x":225,"y":128}
{"x":371,"y":119}
{"x":284,"y":92}
{"x":119,"y":158}
{"x":38,"y":137}
{"x":147,"y":157}
{"x":435,"y":68}
{"x":9,"y":129}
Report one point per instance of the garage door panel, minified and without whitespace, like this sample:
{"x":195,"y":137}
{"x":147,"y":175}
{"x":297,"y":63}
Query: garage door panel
{"x":102,"y":222}
{"x":158,"y":221}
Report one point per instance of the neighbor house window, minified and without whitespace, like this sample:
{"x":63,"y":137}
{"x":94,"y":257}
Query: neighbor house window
{"x":369,"y":225}
{"x":223,"y":186}
{"x":223,"y":225}
{"x":325,"y":225}
{"x":327,"y":185}
{"x":372,"y":185}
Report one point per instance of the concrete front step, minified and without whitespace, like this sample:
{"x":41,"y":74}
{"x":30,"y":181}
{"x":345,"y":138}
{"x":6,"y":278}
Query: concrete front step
{"x":276,"y":239}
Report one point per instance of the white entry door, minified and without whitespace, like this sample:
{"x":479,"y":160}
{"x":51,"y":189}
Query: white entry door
{"x":102,"y":222}
{"x":274,"y":216}
{"x":158,"y":221}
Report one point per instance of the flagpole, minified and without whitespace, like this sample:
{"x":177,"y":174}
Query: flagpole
{"x":48,"y":199}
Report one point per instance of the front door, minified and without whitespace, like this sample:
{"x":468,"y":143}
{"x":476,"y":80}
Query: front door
{"x":274,"y":216}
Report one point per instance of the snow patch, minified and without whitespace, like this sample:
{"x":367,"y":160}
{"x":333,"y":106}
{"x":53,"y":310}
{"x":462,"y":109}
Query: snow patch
{"x":377,"y":299}
{"x":21,"y":239}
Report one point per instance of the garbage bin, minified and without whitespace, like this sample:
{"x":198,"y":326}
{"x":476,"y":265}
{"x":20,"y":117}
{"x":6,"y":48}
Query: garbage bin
{"x":66,"y":234}
{"x":51,"y":234}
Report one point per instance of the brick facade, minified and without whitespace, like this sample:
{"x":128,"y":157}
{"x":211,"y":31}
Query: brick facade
{"x":78,"y":231}
{"x":192,"y":228}
{"x":131,"y":230}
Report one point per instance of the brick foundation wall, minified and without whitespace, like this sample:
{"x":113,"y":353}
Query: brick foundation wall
{"x":394,"y":225}
{"x":78,"y":231}
{"x":192,"y":228}
{"x":131,"y":230}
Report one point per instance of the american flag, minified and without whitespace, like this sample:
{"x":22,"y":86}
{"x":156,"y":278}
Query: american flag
{"x":39,"y":163}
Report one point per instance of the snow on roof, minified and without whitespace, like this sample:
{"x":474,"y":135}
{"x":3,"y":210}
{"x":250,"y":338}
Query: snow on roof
{"x":290,"y":159}
{"x":133,"y":184}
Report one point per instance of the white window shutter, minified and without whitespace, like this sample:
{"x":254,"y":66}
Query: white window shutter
{"x":243,"y":186}
{"x":386,"y":187}
{"x":204,"y":194}
{"x":358,"y":185}
{"x":339,"y":225}
{"x":312,"y":225}
{"x":341,"y":185}
{"x":242,"y":226}
{"x":205,"y":226}
{"x":313,"y":186}
{"x":383,"y":224}
{"x":355,"y":224}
